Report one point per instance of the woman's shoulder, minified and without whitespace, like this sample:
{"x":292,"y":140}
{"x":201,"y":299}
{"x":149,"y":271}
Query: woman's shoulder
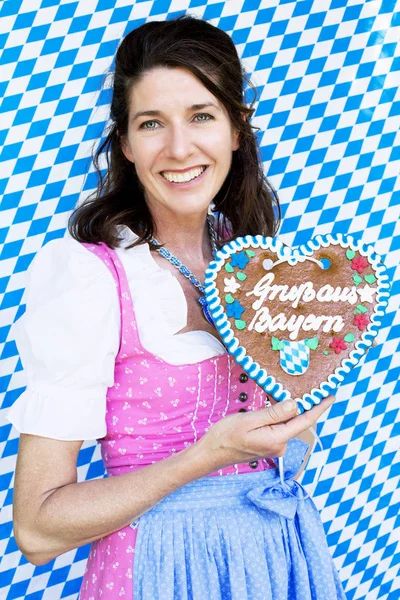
{"x":63,"y":250}
{"x":63,"y":256}
{"x":71,"y":307}
{"x":64,"y":268}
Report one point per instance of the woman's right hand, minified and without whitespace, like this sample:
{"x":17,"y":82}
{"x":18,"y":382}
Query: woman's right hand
{"x":258,"y":434}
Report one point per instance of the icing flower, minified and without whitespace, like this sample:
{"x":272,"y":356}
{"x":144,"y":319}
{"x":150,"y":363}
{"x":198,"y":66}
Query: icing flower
{"x":360,"y":321}
{"x":231,"y":285}
{"x":359,"y":264}
{"x":338,"y":344}
{"x":235,"y":310}
{"x":239,"y":260}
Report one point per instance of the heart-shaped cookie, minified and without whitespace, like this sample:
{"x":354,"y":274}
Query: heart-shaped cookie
{"x":297,"y":320}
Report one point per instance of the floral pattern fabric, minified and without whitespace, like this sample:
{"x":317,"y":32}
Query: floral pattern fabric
{"x":154,"y":410}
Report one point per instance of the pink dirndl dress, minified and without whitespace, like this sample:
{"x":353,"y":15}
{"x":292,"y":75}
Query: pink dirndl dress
{"x":246,"y":532}
{"x":155,"y":410}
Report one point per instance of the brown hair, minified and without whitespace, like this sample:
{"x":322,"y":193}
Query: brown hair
{"x":247,"y":202}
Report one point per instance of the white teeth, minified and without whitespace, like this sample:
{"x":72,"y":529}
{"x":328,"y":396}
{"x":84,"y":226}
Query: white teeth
{"x":182,"y":177}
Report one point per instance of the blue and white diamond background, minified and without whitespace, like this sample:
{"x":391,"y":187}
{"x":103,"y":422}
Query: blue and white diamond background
{"x":328,"y":76}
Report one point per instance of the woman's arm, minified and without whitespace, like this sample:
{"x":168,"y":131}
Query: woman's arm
{"x":54,"y":514}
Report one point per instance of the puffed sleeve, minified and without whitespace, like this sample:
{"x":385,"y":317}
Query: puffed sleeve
{"x":67,"y":339}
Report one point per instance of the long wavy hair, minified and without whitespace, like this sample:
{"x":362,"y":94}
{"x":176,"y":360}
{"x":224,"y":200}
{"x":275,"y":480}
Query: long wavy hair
{"x":246,"y":201}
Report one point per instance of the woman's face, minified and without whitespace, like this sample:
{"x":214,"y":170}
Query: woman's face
{"x":178,"y":137}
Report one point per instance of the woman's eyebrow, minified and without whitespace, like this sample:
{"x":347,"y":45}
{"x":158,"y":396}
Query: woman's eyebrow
{"x":158,"y":113}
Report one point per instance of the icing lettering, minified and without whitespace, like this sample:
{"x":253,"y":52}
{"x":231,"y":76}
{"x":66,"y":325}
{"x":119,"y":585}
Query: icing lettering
{"x":262,"y":321}
{"x":265,"y":289}
{"x":325,"y":293}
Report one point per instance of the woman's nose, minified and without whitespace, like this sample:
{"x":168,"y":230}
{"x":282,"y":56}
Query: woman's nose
{"x":179,"y":143}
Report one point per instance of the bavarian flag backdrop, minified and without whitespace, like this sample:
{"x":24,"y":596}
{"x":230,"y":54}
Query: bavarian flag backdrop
{"x":327,"y":74}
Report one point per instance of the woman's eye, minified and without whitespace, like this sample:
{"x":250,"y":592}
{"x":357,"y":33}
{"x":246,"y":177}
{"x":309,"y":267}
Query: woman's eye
{"x":142,"y":126}
{"x":205,"y":115}
{"x":209,"y":117}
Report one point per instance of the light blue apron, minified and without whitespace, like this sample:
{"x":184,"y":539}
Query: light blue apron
{"x":253,"y":536}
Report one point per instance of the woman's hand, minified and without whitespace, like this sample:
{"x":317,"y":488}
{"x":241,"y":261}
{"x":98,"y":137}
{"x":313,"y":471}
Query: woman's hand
{"x":258,"y":434}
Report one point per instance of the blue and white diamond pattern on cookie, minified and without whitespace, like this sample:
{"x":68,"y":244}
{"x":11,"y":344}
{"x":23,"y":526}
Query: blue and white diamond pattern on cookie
{"x":294,"y":357}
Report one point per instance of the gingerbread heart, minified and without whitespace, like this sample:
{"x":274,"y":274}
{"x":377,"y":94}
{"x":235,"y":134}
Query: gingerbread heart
{"x":297,"y":320}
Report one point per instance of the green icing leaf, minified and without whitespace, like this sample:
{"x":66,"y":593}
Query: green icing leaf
{"x":312,"y":343}
{"x":228,"y":268}
{"x":350,"y":254}
{"x":229,"y":299}
{"x":349,"y":337}
{"x":250,"y":253}
{"x":370,"y":278}
{"x":326,"y":352}
{"x":360,"y":309}
{"x":276,"y":344}
{"x":357,"y":279}
{"x":240,"y":324}
{"x":241,"y":276}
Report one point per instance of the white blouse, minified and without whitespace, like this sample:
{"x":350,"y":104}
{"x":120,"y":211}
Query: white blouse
{"x":68,"y":338}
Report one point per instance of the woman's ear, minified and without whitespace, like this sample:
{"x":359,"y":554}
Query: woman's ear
{"x":236,"y":135}
{"x":126,"y":150}
{"x":235,"y":140}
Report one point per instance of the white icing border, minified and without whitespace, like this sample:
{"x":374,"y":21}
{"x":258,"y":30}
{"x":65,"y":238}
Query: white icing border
{"x":294,"y":256}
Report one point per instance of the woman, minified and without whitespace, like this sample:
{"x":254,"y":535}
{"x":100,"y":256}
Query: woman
{"x":193,"y":504}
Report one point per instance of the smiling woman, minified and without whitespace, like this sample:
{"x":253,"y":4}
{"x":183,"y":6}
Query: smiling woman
{"x":186,"y":75}
{"x":171,"y":159}
{"x":116,"y":348}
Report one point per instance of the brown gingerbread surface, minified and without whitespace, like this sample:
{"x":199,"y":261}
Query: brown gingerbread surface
{"x":324,"y":359}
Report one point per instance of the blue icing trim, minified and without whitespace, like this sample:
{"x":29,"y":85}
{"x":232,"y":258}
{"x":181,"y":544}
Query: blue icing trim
{"x":217,"y":312}
{"x":326,"y":388}
{"x":213,"y":295}
{"x":307,"y":398}
{"x":317,"y":394}
{"x":279,"y":393}
{"x":225,"y":329}
{"x":247,"y":363}
{"x":240,"y":354}
{"x":270,"y":382}
{"x":261,"y":377}
{"x":253,"y":370}
{"x":234,"y":344}
{"x":238,"y":243}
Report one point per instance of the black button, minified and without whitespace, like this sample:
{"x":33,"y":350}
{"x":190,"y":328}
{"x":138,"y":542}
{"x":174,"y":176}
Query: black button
{"x":242,"y":410}
{"x":253,"y":464}
{"x":243,"y":397}
{"x":243,"y":378}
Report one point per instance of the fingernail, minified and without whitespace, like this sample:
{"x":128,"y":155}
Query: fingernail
{"x":289,"y":406}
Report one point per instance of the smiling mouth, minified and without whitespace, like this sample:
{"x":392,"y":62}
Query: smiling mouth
{"x":185,"y":177}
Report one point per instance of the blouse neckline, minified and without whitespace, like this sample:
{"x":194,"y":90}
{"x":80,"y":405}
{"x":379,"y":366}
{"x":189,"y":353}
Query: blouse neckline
{"x":129,"y":237}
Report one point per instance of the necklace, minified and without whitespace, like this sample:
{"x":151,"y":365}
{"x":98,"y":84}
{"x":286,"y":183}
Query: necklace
{"x":187,"y":272}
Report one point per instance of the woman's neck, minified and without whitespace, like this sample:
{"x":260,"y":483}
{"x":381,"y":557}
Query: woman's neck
{"x":186,"y":237}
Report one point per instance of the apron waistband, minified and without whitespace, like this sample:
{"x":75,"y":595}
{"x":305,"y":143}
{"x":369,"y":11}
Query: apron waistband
{"x":265,"y":490}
